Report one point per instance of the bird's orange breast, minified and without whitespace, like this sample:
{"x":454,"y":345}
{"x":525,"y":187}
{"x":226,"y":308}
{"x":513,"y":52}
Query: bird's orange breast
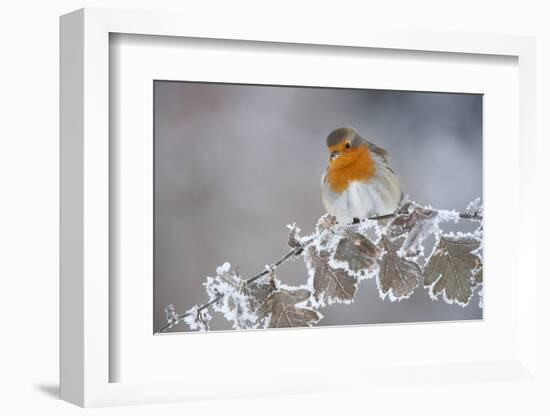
{"x":355,"y":165}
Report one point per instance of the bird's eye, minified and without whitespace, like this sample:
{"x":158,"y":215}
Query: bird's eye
{"x":348,"y":145}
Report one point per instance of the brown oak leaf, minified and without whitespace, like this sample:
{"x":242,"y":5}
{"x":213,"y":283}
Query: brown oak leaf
{"x":398,"y":276}
{"x":257,"y":292}
{"x":451,"y":269}
{"x":330,"y":285}
{"x":414,"y":223}
{"x":357,"y":251}
{"x":280,"y":310}
{"x":478,"y":275}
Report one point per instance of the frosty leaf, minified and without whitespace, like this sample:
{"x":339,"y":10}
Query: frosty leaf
{"x":257,"y":292}
{"x":408,"y":216}
{"x":478,"y":276}
{"x":414,"y":223}
{"x":398,"y":276}
{"x":357,"y":251}
{"x":334,"y":277}
{"x":450,"y":269}
{"x":282,"y":309}
{"x":330,"y":285}
{"x":293,"y":237}
{"x":197,"y":318}
{"x":237,"y":302}
{"x":326,"y":222}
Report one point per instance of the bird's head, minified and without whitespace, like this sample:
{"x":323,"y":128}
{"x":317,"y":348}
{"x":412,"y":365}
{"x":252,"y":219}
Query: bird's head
{"x":345,"y":146}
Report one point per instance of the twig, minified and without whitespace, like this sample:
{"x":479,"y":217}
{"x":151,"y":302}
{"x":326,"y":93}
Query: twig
{"x":474,"y":216}
{"x":464,"y":215}
{"x":383,"y":217}
{"x":185,"y":315}
{"x":287,"y":256}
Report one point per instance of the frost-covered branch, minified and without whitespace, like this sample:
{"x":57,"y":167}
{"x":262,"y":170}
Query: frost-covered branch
{"x":173,"y":318}
{"x":389,"y":248}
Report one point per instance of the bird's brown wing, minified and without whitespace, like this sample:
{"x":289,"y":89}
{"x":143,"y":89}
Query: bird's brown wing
{"x":382,"y":153}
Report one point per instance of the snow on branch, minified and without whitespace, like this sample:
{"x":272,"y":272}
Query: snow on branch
{"x":338,"y":257}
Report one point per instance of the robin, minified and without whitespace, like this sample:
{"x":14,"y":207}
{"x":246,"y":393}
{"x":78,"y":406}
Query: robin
{"x":359,"y":182}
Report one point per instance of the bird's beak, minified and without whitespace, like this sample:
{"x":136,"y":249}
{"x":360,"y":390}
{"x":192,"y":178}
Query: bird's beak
{"x":333,"y":155}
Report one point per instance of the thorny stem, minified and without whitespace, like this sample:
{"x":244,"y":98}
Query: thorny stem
{"x":294,"y":252}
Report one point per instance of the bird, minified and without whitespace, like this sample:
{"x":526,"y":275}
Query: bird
{"x":359,"y":182}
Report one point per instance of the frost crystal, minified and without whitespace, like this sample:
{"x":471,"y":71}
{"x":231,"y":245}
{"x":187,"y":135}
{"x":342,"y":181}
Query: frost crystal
{"x":197,"y":319}
{"x":172,"y":318}
{"x":224,"y":268}
{"x":235,"y":301}
{"x":294,"y":239}
{"x":475,"y":208}
{"x":480,"y":294}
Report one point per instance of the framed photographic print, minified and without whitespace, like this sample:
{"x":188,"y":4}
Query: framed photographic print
{"x":235,"y":163}
{"x":249,"y":204}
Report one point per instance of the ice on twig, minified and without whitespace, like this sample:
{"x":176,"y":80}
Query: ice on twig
{"x":172,"y":317}
{"x":475,"y":208}
{"x":197,"y":318}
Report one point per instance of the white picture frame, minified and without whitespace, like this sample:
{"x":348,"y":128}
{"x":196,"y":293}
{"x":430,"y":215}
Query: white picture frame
{"x":86,"y":164}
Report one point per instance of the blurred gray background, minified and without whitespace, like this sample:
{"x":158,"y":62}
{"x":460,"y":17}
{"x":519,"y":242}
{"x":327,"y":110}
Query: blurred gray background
{"x":235,"y":163}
